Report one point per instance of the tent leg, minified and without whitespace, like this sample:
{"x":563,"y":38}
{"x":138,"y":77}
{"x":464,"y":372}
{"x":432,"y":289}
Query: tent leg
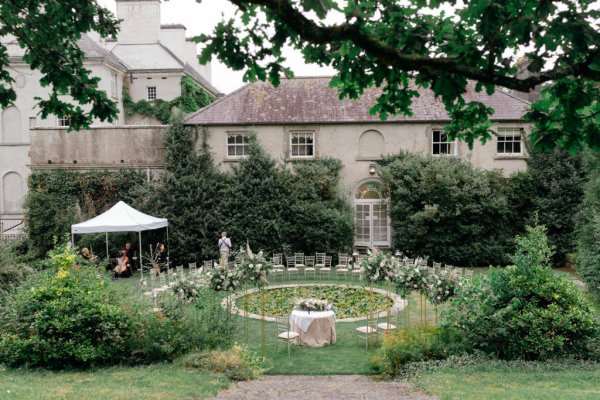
{"x":168,"y":247}
{"x":140,"y":256}
{"x":72,"y":240}
{"x":107,"y":246}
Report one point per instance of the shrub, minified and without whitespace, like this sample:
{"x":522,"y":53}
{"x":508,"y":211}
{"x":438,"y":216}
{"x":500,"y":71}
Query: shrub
{"x":588,"y":232}
{"x":237,"y":363}
{"x":415,"y":344}
{"x":443,"y":208}
{"x":524,"y":311}
{"x":64,"y":318}
{"x":12,"y":271}
{"x":69,"y":316}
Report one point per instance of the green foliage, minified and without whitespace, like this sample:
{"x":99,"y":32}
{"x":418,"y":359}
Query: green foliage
{"x":401,"y":49}
{"x":66,"y":317}
{"x":12,"y":271}
{"x":69,"y":316}
{"x":533,"y":248}
{"x":415,"y":344}
{"x":301,"y":207}
{"x":588,"y":232}
{"x":237,"y":363}
{"x":58,"y":198}
{"x":525,"y":311}
{"x":192,"y":98}
{"x":51,"y":48}
{"x":556,"y":185}
{"x":191,"y":195}
{"x":443,"y":208}
{"x":181,"y":327}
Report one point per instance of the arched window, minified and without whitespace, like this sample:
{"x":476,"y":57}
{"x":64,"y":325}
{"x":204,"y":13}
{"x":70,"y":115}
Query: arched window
{"x":368,"y":191}
{"x":371,"y":144}
{"x":12,"y":189}
{"x":11,"y":126}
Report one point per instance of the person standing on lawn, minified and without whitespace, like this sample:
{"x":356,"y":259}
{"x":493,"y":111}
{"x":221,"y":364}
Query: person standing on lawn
{"x":224,"y":249}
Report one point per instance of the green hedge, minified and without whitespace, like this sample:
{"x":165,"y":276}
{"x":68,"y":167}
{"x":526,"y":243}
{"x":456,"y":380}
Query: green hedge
{"x":443,"y":208}
{"x":588,"y":231}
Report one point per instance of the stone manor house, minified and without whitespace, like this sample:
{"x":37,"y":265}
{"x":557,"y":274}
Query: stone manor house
{"x":148,"y":60}
{"x":301,"y":119}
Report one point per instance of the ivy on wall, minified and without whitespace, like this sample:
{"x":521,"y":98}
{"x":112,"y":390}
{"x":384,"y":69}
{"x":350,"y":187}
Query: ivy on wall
{"x":193,"y":97}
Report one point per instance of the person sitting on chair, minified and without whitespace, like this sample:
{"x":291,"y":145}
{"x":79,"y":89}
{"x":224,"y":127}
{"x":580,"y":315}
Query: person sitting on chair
{"x":123,"y":268}
{"x":85,"y":253}
{"x":130,"y":254}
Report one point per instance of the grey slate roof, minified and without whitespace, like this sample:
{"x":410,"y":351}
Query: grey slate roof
{"x":93,"y":50}
{"x":311,"y":100}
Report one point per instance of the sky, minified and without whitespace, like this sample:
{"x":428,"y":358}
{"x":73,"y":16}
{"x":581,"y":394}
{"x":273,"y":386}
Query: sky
{"x":202,"y":18}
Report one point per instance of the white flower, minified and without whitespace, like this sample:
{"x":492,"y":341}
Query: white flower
{"x":218,"y":286}
{"x":415,"y":286}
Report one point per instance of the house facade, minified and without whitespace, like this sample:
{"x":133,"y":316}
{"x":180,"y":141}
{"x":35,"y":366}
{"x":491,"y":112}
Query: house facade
{"x":147,"y":61}
{"x":303,"y":118}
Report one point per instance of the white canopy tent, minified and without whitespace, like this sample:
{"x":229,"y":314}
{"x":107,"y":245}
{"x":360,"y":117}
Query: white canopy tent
{"x":121,"y":218}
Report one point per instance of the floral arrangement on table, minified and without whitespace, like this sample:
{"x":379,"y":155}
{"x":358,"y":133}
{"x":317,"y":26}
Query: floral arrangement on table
{"x":440,"y":286}
{"x":378,"y":266}
{"x":253,"y":268}
{"x":191,"y":287}
{"x":224,"y":279}
{"x":312,"y":305}
{"x":410,"y":277}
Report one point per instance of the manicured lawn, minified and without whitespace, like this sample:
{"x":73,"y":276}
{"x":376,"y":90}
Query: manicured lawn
{"x":509,"y":382}
{"x":161,"y":381}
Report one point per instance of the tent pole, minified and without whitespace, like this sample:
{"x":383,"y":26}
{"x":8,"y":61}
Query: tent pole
{"x":140,"y":257}
{"x":168,"y":248}
{"x":107,"y":246}
{"x":72,"y":240}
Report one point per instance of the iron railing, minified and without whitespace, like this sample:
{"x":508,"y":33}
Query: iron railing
{"x":11,"y":229}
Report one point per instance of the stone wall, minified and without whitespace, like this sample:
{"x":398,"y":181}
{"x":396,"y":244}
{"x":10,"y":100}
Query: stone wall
{"x":115,"y":147}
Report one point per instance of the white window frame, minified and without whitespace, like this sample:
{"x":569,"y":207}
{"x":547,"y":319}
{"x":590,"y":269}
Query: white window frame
{"x":114,"y":87}
{"x":151,"y":91}
{"x":305,"y":134}
{"x":509,"y":133}
{"x":63,"y":122}
{"x":453,"y":144}
{"x":236,"y":145}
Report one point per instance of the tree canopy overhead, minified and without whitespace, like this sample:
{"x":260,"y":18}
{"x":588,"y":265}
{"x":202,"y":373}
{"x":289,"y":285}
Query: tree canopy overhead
{"x":48,"y":30}
{"x":402,"y":46}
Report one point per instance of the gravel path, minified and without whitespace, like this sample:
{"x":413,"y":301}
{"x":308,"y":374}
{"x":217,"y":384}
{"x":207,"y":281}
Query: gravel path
{"x":298,"y":387}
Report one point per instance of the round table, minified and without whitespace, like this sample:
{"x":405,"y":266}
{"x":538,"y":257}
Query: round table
{"x":316,"y":328}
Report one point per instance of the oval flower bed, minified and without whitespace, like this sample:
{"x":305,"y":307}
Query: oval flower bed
{"x":349,"y":302}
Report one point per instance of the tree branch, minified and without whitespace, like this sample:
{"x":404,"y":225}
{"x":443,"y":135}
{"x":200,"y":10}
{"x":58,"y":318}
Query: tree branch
{"x":319,"y":35}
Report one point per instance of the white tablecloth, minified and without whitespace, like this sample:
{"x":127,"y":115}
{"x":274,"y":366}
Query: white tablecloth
{"x":303,"y":319}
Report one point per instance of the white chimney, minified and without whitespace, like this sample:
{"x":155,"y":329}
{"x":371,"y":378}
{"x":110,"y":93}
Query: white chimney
{"x":140,"y":21}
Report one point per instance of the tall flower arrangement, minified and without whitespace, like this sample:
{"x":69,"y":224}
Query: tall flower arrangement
{"x":377,"y":267}
{"x":255,"y":269}
{"x":223,"y":279}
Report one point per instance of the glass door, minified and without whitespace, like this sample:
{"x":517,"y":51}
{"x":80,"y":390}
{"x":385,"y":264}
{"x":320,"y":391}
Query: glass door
{"x":372,"y":224}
